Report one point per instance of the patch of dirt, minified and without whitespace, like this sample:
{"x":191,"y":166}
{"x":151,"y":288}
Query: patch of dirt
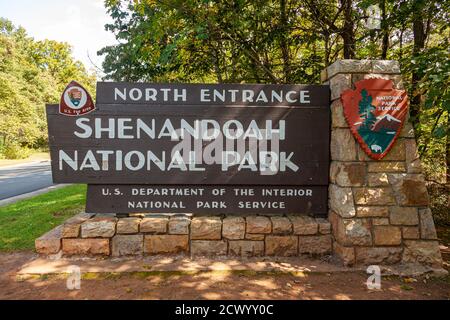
{"x":213,"y":285}
{"x":57,"y":214}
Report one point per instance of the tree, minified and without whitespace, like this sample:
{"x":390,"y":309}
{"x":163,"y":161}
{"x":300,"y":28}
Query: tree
{"x":366,"y":110}
{"x":32,"y":73}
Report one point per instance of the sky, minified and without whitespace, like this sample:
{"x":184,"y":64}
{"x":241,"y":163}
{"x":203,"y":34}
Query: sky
{"x":80,"y":23}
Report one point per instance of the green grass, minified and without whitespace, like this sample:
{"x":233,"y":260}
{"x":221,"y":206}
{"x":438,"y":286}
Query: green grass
{"x":24,"y":221}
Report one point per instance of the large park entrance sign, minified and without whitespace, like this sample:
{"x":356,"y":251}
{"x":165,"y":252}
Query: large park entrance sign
{"x":197,"y":148}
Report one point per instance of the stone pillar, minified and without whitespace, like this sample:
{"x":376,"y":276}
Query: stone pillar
{"x":378,"y":209}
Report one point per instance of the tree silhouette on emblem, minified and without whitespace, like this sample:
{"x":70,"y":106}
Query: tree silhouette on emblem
{"x":366,"y":110}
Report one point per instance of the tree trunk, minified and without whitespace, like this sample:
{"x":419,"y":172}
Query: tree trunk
{"x":283,"y":42}
{"x":385,"y":30}
{"x":348,"y":32}
{"x":216,"y":63}
{"x":419,"y":44}
{"x":447,"y":160}
{"x":327,"y":49}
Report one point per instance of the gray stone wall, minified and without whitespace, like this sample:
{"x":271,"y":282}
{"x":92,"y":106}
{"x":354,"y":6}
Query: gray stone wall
{"x":378,"y":209}
{"x":243,"y":236}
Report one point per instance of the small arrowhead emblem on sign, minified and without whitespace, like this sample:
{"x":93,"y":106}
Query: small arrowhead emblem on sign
{"x":75,"y":100}
{"x":375,"y":113}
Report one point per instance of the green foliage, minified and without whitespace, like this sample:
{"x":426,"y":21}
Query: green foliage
{"x":432,"y":126}
{"x":32,"y":73}
{"x":211,"y":41}
{"x":15,"y":151}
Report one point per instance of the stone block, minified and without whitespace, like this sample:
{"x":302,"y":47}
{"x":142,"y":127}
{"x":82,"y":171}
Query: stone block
{"x":246,"y":248}
{"x":398,"y":81}
{"x":72,"y":226}
{"x":128,"y":225}
{"x":427,"y":229}
{"x":179,"y":225}
{"x":50,"y":242}
{"x":324,"y":226}
{"x":258,"y":224}
{"x":373,"y":196}
{"x":80,"y":218}
{"x":85,"y":246}
{"x":387,"y":166}
{"x":281,"y":225}
{"x":304,"y":225}
{"x":166,"y":243}
{"x":281,"y":245}
{"x":423,"y":252}
{"x":410,"y":233}
{"x":361,"y":155}
{"x":233,"y":228}
{"x":377,"y":255}
{"x":208,"y":247}
{"x":387,"y":235}
{"x":407,"y":131}
{"x":339,"y":83}
{"x":380,"y":221}
{"x":348,"y":174}
{"x":337,"y":115}
{"x":385,"y":66}
{"x":345,"y":254}
{"x":372,"y":211}
{"x":362,"y":76}
{"x":155,"y":225}
{"x":406,"y":216}
{"x":71,"y":230}
{"x":354,"y":232}
{"x":341,"y":201}
{"x":256,"y":237}
{"x":412,"y":156}
{"x":349,"y":66}
{"x":343,"y":145}
{"x":409,"y":189}
{"x":315,"y":244}
{"x":206,"y":228}
{"x":124,"y":245}
{"x":99,"y":227}
{"x":377,"y":179}
{"x":397,"y":153}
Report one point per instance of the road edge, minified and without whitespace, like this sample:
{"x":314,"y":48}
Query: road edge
{"x":27,"y":195}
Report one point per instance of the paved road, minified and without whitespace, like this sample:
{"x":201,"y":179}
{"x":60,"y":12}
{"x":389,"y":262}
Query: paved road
{"x":20,"y":179}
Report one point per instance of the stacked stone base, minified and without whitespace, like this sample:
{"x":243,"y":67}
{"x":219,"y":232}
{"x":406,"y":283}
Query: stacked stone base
{"x":379,"y":210}
{"x":250,"y":236}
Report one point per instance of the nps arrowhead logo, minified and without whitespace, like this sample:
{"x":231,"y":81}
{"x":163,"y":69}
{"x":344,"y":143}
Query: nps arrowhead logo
{"x":375,"y":112}
{"x":75,"y":100}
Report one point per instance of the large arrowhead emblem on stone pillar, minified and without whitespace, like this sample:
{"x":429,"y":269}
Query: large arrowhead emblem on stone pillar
{"x":375,"y":113}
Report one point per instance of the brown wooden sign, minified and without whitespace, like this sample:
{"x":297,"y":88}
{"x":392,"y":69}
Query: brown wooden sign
{"x":196,"y":135}
{"x":213,"y":94}
{"x":206,"y":199}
